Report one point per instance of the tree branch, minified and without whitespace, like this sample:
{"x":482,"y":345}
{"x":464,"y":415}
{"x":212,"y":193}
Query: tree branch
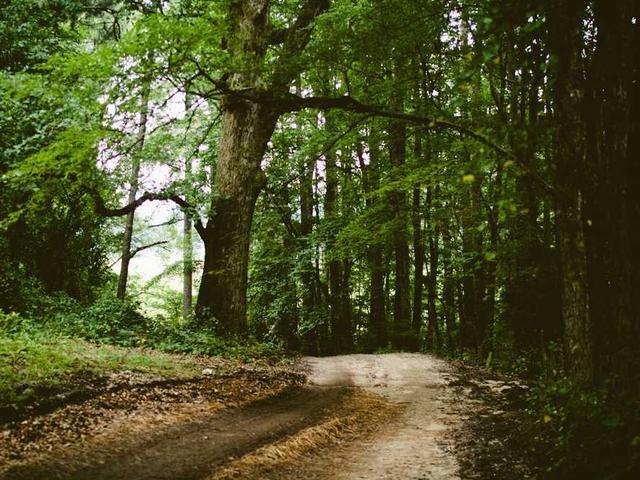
{"x":308,"y":12}
{"x":102,"y":209}
{"x":293,"y":103}
{"x":144,"y":247}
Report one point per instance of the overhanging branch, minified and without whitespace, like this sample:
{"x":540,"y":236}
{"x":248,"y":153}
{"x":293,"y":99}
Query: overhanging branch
{"x":294,"y":103}
{"x":103,"y":210}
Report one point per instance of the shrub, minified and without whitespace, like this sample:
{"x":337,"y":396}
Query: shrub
{"x":109,"y":320}
{"x":585,"y":432}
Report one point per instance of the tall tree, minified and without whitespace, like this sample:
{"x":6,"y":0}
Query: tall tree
{"x":567,"y":41}
{"x":401,"y":337}
{"x":418,"y":246}
{"x":187,"y":255}
{"x":246,"y":130}
{"x":377,"y":324}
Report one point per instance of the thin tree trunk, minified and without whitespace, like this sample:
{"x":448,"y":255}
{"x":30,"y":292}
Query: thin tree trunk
{"x":334,"y":267}
{"x":402,"y":333}
{"x":448,"y":291}
{"x":133,"y":192}
{"x":473,"y":324}
{"x":346,"y":314}
{"x":340,"y":321}
{"x":481,"y":271}
{"x":418,"y":262}
{"x":433,"y":336}
{"x":377,"y":325}
{"x":309,"y":296}
{"x":377,"y":307}
{"x":187,"y":258}
{"x":324,"y":340}
{"x":491,"y":267}
{"x":418,"y":246}
{"x":469,"y":318}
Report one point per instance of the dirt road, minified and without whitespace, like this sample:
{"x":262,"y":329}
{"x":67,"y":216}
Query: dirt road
{"x":415,"y":445}
{"x":322,"y":430}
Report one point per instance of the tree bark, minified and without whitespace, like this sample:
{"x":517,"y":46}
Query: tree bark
{"x":448,"y":291}
{"x":433,"y":332}
{"x":247,"y":127}
{"x":473,"y":323}
{"x":309,"y":291}
{"x":336,"y":274}
{"x":246,"y":130}
{"x":567,"y":37}
{"x":610,"y":201}
{"x":418,"y":248}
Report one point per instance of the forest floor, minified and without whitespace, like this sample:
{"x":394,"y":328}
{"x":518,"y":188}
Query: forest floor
{"x":391,"y":416}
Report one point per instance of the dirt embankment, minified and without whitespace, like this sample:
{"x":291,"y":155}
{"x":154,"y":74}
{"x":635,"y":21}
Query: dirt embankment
{"x":125,"y":411}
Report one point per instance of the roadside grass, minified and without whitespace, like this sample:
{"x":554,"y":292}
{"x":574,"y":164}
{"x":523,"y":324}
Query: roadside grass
{"x":35,"y":362}
{"x":45,"y":359}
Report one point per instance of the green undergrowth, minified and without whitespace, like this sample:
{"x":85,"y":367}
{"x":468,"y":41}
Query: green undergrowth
{"x":585,"y":432}
{"x":37,"y":363}
{"x":572,"y":430}
{"x":61,"y":349}
{"x":121,"y":323}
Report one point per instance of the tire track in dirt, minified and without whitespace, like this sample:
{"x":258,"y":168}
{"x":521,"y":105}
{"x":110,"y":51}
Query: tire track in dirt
{"x":190,"y":449}
{"x":399,"y":428}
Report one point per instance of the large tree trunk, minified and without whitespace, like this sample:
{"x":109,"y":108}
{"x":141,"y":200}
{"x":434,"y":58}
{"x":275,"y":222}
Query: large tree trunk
{"x":567,"y":39}
{"x":246,"y":130}
{"x":611,"y":201}
{"x":633,"y":196}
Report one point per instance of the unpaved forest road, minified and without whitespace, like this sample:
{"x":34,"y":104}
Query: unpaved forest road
{"x":210,"y":443}
{"x":413,"y":447}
